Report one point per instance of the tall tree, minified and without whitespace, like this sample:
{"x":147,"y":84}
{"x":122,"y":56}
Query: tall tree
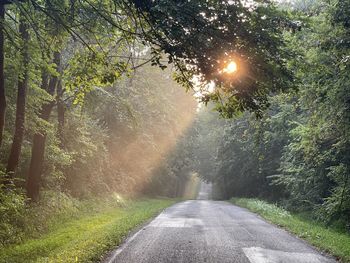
{"x":2,"y":77}
{"x":21,"y":99}
{"x":49,"y":84}
{"x":60,"y":114}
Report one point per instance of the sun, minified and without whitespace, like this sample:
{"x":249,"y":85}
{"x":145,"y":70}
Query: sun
{"x":230,"y":68}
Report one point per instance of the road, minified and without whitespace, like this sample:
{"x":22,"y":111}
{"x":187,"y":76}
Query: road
{"x":213,"y":231}
{"x":204,"y":191}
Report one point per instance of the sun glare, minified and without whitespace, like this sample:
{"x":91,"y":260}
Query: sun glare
{"x":230,"y":68}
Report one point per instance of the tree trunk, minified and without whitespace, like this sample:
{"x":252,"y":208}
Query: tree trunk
{"x":20,"y":105}
{"x":36,"y":162}
{"x":60,"y":114}
{"x":2,"y":77}
{"x":38,"y":148}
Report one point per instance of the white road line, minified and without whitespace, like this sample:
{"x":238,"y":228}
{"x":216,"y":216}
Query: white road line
{"x":130,"y":239}
{"x":123,"y":246}
{"x":177,"y":222}
{"x":261,"y":255}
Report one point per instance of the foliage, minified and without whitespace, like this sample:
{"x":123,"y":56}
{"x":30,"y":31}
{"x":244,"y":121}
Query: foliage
{"x":202,"y":40}
{"x":297,"y":153}
{"x":98,"y":120}
{"x":12,"y":216}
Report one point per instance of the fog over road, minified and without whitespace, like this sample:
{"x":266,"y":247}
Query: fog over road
{"x":213,"y":231}
{"x":204,"y":192}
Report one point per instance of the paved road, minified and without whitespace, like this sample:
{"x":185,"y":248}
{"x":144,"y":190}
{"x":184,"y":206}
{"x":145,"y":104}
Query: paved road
{"x":213,"y":231}
{"x":204,"y":191}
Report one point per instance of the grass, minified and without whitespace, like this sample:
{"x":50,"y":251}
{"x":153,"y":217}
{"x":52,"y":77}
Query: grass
{"x":86,"y":237}
{"x":326,"y":239}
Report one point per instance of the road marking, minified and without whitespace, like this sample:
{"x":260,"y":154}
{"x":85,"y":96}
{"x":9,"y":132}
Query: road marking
{"x":161,"y":220}
{"x":261,"y":255}
{"x":178,"y":222}
{"x":121,"y":248}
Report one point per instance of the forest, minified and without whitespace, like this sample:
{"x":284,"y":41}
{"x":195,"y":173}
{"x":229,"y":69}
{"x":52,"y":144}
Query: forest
{"x":102,"y":101}
{"x":297,"y":152}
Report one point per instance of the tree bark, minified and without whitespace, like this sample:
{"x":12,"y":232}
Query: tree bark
{"x":60,"y":114}
{"x":2,"y":77}
{"x":20,"y":104}
{"x":39,"y":140}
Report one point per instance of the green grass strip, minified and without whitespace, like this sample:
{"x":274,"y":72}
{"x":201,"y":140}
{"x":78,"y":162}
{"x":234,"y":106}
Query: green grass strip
{"x":329,"y":240}
{"x":87,"y":238}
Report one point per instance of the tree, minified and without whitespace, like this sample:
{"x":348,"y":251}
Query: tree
{"x":49,"y":84}
{"x":95,"y":68}
{"x":21,"y":100}
{"x":201,"y":37}
{"x":297,"y":153}
{"x":2,"y":77}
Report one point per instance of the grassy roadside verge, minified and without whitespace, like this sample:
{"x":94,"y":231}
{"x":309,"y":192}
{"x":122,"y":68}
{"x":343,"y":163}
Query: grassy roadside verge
{"x":87,"y":236}
{"x":332,"y":241}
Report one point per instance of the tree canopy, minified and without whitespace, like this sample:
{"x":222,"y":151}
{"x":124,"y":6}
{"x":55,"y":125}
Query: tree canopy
{"x":202,"y":37}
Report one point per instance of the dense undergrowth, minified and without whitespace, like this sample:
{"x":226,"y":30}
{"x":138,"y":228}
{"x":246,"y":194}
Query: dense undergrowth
{"x":64,"y":229}
{"x":333,"y":240}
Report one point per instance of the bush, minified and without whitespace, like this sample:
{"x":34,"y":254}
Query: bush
{"x":12,"y":214}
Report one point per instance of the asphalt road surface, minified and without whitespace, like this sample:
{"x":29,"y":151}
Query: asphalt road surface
{"x":213,"y":231}
{"x":204,"y":191}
